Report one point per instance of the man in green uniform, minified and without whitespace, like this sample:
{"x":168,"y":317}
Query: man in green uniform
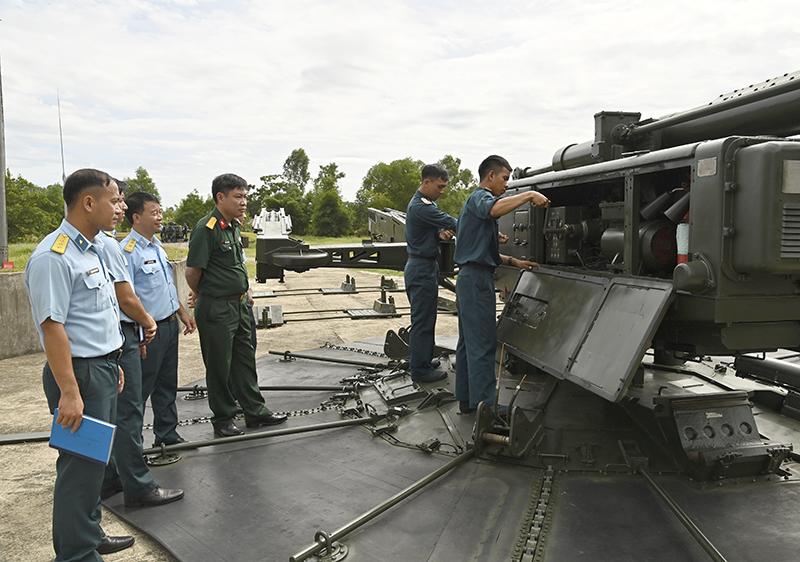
{"x":216,"y":272}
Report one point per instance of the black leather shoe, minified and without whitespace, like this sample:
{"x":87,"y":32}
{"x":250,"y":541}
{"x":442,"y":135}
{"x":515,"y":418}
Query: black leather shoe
{"x":271,"y":419}
{"x":178,"y":440}
{"x":431,"y":377}
{"x":113,"y":490}
{"x":463,"y":407}
{"x":114,"y":544}
{"x":229,"y":430}
{"x":158,"y":496}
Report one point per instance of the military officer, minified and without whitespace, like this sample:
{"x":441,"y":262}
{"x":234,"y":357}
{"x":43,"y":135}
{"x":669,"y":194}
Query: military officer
{"x":129,"y":472}
{"x":216,"y":272}
{"x":426,"y":224}
{"x":478,"y":254}
{"x":75,"y":311}
{"x":151,"y":271}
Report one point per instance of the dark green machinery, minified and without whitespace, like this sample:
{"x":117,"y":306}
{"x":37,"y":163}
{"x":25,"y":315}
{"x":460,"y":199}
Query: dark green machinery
{"x":703,"y":200}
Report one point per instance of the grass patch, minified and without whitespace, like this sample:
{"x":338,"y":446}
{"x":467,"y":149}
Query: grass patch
{"x":19,"y":254}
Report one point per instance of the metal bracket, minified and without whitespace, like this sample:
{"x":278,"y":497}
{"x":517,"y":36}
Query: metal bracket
{"x":197,"y":394}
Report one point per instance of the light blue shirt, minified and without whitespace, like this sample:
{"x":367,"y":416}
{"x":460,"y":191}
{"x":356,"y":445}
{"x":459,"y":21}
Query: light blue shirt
{"x":117,"y":265}
{"x":477,"y":237}
{"x":74,"y":288}
{"x":152,"y":275}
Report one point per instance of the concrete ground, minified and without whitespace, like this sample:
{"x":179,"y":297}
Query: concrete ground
{"x":28,"y":470}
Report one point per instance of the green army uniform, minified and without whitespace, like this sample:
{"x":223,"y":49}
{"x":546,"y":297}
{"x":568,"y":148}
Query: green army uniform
{"x":223,"y":320}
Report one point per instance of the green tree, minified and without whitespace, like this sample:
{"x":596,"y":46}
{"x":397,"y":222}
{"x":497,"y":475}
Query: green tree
{"x":330,"y":216}
{"x":295,"y":169}
{"x":32,"y":212}
{"x":459,"y":185}
{"x":387,"y":185}
{"x":142,"y":182}
{"x":192,"y":208}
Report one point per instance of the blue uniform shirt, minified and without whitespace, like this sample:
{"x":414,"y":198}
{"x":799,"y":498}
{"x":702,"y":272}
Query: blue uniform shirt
{"x":117,"y":264}
{"x":68,"y":282}
{"x":477,"y":239}
{"x":424,"y":221}
{"x":151,"y":271}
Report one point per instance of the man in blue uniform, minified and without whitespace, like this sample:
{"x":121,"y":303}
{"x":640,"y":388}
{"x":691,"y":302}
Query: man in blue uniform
{"x":478,"y":254}
{"x":129,"y":472}
{"x":216,"y":272}
{"x":426,"y":224}
{"x":151,"y":271}
{"x":75,"y":311}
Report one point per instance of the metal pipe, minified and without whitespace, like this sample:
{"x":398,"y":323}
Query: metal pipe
{"x":693,"y":529}
{"x":319,"y":387}
{"x":259,"y":435}
{"x":329,"y":359}
{"x":374,"y":512}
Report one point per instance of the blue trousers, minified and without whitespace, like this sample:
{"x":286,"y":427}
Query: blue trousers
{"x":76,"y":497}
{"x":477,"y":336}
{"x":160,"y":381}
{"x":422,"y":288}
{"x":127,"y":464}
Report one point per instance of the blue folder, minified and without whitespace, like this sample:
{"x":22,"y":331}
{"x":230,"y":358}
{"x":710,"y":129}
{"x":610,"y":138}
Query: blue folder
{"x":93,"y":440}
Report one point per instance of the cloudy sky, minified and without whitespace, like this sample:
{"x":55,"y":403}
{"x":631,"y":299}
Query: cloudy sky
{"x":189,"y":89}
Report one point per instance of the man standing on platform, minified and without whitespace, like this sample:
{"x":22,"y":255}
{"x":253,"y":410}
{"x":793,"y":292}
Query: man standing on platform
{"x":75,"y":311}
{"x":478,"y":254}
{"x":216,"y":272}
{"x":152,"y":276}
{"x":425,"y":226}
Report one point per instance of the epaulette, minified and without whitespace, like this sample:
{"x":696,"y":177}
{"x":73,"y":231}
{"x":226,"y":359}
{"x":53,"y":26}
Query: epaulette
{"x":109,"y":234}
{"x":211,"y":223}
{"x":130,"y":245}
{"x":426,"y":201}
{"x":60,"y":245}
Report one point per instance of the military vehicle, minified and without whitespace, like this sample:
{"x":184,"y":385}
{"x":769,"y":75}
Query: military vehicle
{"x":649,"y":366}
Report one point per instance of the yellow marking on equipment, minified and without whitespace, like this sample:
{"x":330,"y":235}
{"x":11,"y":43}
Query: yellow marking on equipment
{"x":60,"y":245}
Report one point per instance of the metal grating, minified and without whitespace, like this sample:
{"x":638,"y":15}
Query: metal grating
{"x":790,"y":231}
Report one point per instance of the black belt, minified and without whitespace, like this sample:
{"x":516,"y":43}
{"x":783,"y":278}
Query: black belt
{"x":478,"y":266}
{"x":113,"y":356}
{"x":416,"y":257}
{"x":169,"y":318}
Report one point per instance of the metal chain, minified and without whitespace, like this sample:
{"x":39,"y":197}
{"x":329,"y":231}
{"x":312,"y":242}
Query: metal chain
{"x":329,"y":345}
{"x":530,"y":545}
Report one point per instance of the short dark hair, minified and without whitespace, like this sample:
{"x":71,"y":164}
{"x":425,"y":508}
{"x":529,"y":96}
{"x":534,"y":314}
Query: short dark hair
{"x":225,"y":183}
{"x":79,"y":180}
{"x":121,"y":185}
{"x":493,"y":162}
{"x":434,"y":172}
{"x":135,"y":203}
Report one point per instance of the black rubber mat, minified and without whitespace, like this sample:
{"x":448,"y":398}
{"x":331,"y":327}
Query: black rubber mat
{"x":265,"y":500}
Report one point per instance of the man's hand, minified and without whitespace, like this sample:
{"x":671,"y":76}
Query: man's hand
{"x":538,"y":200}
{"x":143,"y":351}
{"x":447,"y":234}
{"x":523,"y":264}
{"x":502,"y":238}
{"x":192,"y":299}
{"x":187,"y":320}
{"x":150,"y":330}
{"x":121,"y":384}
{"x":70,"y":410}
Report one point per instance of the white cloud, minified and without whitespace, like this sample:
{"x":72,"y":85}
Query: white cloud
{"x":190,"y":89}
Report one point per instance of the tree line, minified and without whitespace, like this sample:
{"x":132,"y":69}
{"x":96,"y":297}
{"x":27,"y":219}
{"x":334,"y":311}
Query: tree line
{"x":315,"y":205}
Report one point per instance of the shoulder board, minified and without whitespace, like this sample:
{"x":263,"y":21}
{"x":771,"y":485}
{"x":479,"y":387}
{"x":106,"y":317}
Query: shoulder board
{"x":211,"y":223}
{"x":426,"y":201}
{"x":130,"y":245}
{"x":109,"y":234}
{"x":60,"y":245}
